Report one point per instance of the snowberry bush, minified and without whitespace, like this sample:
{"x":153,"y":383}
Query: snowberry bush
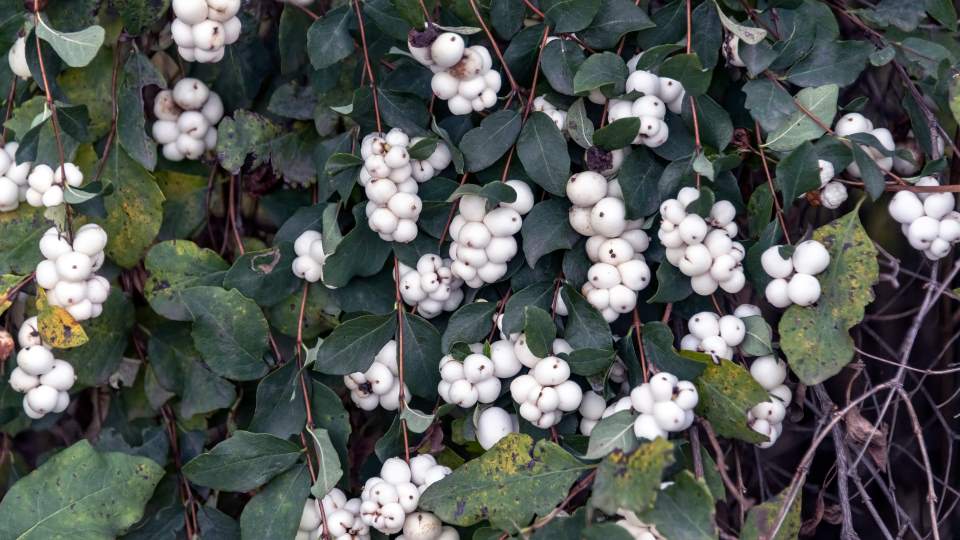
{"x":430,"y":270}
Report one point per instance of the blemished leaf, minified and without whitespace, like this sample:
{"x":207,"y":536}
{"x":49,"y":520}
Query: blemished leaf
{"x":758,"y":338}
{"x":639,"y":177}
{"x":630,"y":480}
{"x":727,"y":391}
{"x":328,"y":464}
{"x":585,"y":326}
{"x":658,"y":346}
{"x":108,"y":334}
{"x":265,"y":276}
{"x":275,"y":511}
{"x":748,"y":34}
{"x":469,"y":324}
{"x":80,"y":489}
{"x":617,"y":134}
{"x":508,"y":485}
{"x":798,"y":128}
{"x":421,"y":352}
{"x":244,"y":134}
{"x":798,"y":173}
{"x":482,"y":146}
{"x":242,"y":462}
{"x":615,"y":19}
{"x":174,"y":266}
{"x":605,"y":71}
{"x":19,"y":243}
{"x":684,"y":510}
{"x":547,"y":229}
{"x":328,"y":38}
{"x":613,"y":433}
{"x":229,"y":330}
{"x":816,"y":339}
{"x":579,"y":126}
{"x":560,"y":61}
{"x":76,"y":49}
{"x":539,"y":331}
{"x":56,"y":326}
{"x":352,"y":345}
{"x":542,"y":151}
{"x":762,"y":517}
{"x":569,"y":15}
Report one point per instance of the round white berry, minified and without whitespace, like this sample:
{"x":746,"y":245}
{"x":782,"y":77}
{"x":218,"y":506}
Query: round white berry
{"x":776,"y":293}
{"x":42,"y":399}
{"x":494,"y":424}
{"x":803,"y":289}
{"x":768,"y":371}
{"x":608,"y":216}
{"x":810,"y":257}
{"x":646,"y":427}
{"x":775,"y":265}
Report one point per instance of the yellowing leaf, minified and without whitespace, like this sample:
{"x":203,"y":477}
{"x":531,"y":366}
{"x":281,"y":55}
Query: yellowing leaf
{"x":57,"y":327}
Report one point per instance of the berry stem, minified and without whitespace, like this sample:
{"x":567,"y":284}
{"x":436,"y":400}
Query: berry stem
{"x":400,"y":312}
{"x":10,"y":97}
{"x":773,"y":190}
{"x":366,"y":63}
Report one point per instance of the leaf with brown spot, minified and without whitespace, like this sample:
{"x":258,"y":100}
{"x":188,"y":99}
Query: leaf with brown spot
{"x":57,"y":327}
{"x":762,"y":517}
{"x":631,"y":480}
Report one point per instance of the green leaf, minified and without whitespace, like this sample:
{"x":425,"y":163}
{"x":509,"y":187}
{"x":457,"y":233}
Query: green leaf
{"x":716,"y":127}
{"x":352,"y":345}
{"x":280,"y":408}
{"x":758,"y":339}
{"x":687,"y":69}
{"x":540,"y":331}
{"x":329,"y":414}
{"x":360,"y":253}
{"x":684,"y":510}
{"x":943,"y":11}
{"x":615,"y":19}
{"x":560,"y":61}
{"x":421,"y":353}
{"x":506,"y":16}
{"x":605,"y":71}
{"x":138,"y":72}
{"x":328,"y":464}
{"x":769,"y":104}
{"x":639,"y":177}
{"x":79,"y":492}
{"x":229,"y":330}
{"x":762,"y":517}
{"x":265,"y":276}
{"x":275,"y":511}
{"x":588,"y":362}
{"x":869,"y":172}
{"x":537,"y":294}
{"x":109,"y":335}
{"x":585,"y":326}
{"x":76,"y":49}
{"x":140,"y":14}
{"x":658,"y":346}
{"x":174,"y":266}
{"x":569,"y":15}
{"x":831,"y":63}
{"x":759,"y":209}
{"x":822,"y":103}
{"x":543,"y":152}
{"x":20,"y":241}
{"x":469,"y":324}
{"x":244,"y":134}
{"x":244,"y":461}
{"x":482,"y":146}
{"x":617,"y":134}
{"x":630,"y":480}
{"x":797,"y":173}
{"x":328,"y":38}
{"x":727,"y":391}
{"x":672,"y":285}
{"x":613,"y":433}
{"x":508,"y":485}
{"x":341,"y":161}
{"x":579,"y":125}
{"x":816,"y":339}
{"x":547,"y":229}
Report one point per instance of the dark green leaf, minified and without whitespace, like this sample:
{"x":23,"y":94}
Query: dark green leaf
{"x":352,"y":345}
{"x":547,"y":229}
{"x":560,"y":61}
{"x":585,"y":326}
{"x":687,"y":69}
{"x":798,"y":173}
{"x":615,"y":18}
{"x":543,"y":152}
{"x":484,"y":145}
{"x":605,"y":71}
{"x":328,"y":39}
{"x":569,"y":15}
{"x":539,"y":330}
{"x":617,"y":134}
{"x":469,"y":324}
{"x":242,"y":462}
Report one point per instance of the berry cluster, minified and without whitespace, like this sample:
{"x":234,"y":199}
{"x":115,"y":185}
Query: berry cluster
{"x":17,"y":58}
{"x":766,"y":418}
{"x":592,"y":409}
{"x":44,"y":379}
{"x":703,"y":248}
{"x":13,"y":179}
{"x":615,"y":246}
{"x":483,"y":241}
{"x":203,"y":28}
{"x":46,"y":185}
{"x":659,"y":95}
{"x":546,"y":392}
{"x":928,"y":220}
{"x":462,"y":76}
{"x":430,"y":286}
{"x":380,"y":383}
{"x":494,"y":424}
{"x":665,"y":405}
{"x":187,"y":119}
{"x":558,"y":116}
{"x":310,"y":256}
{"x":794,"y":281}
{"x":715,"y":335}
{"x":67,"y":272}
{"x":832,"y":192}
{"x":477,"y":378}
{"x":342,"y":518}
{"x":387,"y":499}
{"x":853,"y":123}
{"x":389,"y":176}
